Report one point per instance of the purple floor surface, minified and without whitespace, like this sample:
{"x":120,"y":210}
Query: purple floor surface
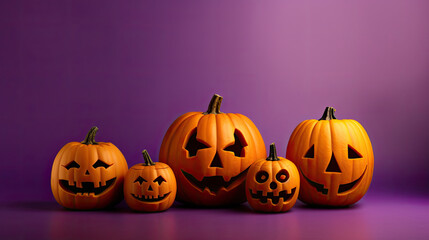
{"x":374,"y":217}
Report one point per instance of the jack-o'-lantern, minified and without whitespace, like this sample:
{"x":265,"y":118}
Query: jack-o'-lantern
{"x":88,"y":175}
{"x":210,"y":153}
{"x":149,"y":186}
{"x":335,"y":159}
{"x":272,"y":184}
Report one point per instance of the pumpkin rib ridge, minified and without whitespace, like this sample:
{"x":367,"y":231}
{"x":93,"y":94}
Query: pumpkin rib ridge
{"x":218,"y":130}
{"x":360,"y":139}
{"x":176,"y":154}
{"x":293,"y":135}
{"x":295,"y":149}
{"x":75,"y":155}
{"x":208,"y":120}
{"x":350,"y":141}
{"x":354,"y":162}
{"x":370,"y":153}
{"x":172,"y":155}
{"x":235,"y":127}
{"x":171,"y":132}
{"x":301,"y":134}
{"x":252,"y":138}
{"x":57,"y":172}
{"x":291,"y":138}
{"x":341,"y":201}
{"x":97,"y":150}
{"x":298,"y":155}
{"x":258,"y":137}
{"x":169,"y":135}
{"x":319,"y":126}
{"x":310,"y":140}
{"x":332,"y":149}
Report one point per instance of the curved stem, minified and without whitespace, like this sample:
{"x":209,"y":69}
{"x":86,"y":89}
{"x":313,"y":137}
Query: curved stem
{"x":214,"y":105}
{"x":273,"y":153}
{"x":89,"y":139}
{"x":148,"y":161}
{"x":328,"y":114}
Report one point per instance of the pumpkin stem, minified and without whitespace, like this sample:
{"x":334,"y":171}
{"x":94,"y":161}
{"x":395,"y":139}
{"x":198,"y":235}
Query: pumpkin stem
{"x":328,"y":114}
{"x":89,"y":139}
{"x":148,"y":161}
{"x":273,"y":153}
{"x":214,"y":105}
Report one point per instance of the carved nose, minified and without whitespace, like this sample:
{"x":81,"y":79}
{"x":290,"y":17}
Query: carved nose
{"x":87,"y":172}
{"x":333,"y":165}
{"x":216,"y":162}
{"x":150,"y":188}
{"x":273,"y":185}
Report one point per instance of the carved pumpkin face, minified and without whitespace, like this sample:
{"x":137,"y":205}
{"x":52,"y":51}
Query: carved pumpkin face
{"x":149,"y":186}
{"x":210,"y":153}
{"x":272,"y":184}
{"x":335,"y":159}
{"x":88,"y":175}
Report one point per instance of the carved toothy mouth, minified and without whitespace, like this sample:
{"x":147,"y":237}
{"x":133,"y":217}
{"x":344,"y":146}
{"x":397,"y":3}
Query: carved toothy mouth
{"x":87,"y":187}
{"x":144,"y":198}
{"x":214,"y":183}
{"x":270,"y":195}
{"x":341,"y":189}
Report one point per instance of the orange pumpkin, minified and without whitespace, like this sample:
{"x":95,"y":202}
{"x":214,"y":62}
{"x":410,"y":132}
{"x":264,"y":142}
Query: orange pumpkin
{"x":210,"y":153}
{"x":335,"y":159}
{"x":149,"y":186}
{"x":88,"y":174}
{"x":272,"y":184}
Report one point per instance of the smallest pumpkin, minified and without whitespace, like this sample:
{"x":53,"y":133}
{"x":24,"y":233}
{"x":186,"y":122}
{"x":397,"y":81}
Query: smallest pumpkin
{"x":272,"y":184}
{"x":149,"y":186}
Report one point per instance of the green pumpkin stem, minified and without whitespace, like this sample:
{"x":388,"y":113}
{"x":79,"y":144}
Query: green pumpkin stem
{"x":273,"y":153}
{"x":214,"y":105}
{"x":148,"y":161}
{"x":89,"y":139}
{"x":328,"y":114}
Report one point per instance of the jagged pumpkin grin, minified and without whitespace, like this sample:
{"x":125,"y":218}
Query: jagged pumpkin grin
{"x":215,"y":183}
{"x":341,"y":189}
{"x":284,"y":195}
{"x":144,"y":198}
{"x":87,"y":187}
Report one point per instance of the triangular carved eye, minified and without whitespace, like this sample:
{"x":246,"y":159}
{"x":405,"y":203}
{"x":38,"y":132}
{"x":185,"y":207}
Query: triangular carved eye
{"x":310,"y":152}
{"x":194,"y":145}
{"x":100,"y":163}
{"x":237,"y":147}
{"x":140,"y":180}
{"x":353,"y":154}
{"x":159,"y":180}
{"x":72,"y":164}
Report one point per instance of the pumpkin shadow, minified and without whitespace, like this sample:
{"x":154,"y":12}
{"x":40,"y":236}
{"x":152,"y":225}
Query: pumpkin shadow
{"x":304,"y":206}
{"x":239,"y":208}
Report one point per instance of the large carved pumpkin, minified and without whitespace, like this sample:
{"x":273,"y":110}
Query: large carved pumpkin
{"x":335,"y":159}
{"x":88,"y":175}
{"x":272,"y":184}
{"x":149,"y":186}
{"x":210,"y":153}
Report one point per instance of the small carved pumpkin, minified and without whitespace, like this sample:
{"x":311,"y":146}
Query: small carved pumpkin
{"x":210,"y":153}
{"x":149,"y":186}
{"x":88,"y":175}
{"x":335,"y":159}
{"x":272,"y":184}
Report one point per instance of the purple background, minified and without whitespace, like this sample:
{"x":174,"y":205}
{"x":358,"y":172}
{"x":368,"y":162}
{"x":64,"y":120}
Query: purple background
{"x":132,"y":68}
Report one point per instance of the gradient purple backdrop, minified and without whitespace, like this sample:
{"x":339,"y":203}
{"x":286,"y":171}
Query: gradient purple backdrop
{"x":132,"y":68}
